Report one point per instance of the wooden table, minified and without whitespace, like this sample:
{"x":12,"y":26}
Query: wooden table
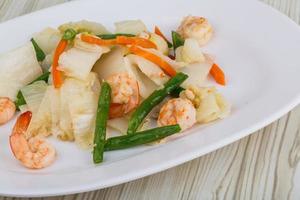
{"x":261,"y":166}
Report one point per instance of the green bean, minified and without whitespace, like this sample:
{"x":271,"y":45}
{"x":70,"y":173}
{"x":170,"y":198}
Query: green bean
{"x":43,"y":77}
{"x":144,"y":137}
{"x":113,"y":36}
{"x":176,"y":92}
{"x":177,"y":40}
{"x":101,"y":121}
{"x":40,"y":55}
{"x":20,"y":98}
{"x":69,"y":34}
{"x":155,"y":98}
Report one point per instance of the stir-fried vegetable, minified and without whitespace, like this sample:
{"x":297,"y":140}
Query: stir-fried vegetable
{"x":20,"y":98}
{"x":40,"y":55}
{"x":84,"y":26}
{"x":160,"y":43}
{"x":218,"y":74}
{"x":154,"y":99}
{"x":93,"y":40}
{"x":144,"y":137}
{"x":101,"y":121}
{"x":177,"y":40}
{"x":69,"y":34}
{"x":190,"y":52}
{"x":18,"y":68}
{"x":153,"y":58}
{"x":158,"y":32}
{"x":114,"y":36}
{"x":120,"y":40}
{"x":138,"y":41}
{"x":57,"y":79}
{"x":33,"y":94}
{"x":130,"y":26}
{"x":175,"y":93}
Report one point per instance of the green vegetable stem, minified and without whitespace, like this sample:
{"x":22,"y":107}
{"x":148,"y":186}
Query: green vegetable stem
{"x":40,"y":55}
{"x":177,"y":40}
{"x":154,"y":99}
{"x":144,"y":137}
{"x":101,"y":121}
{"x":113,"y":36}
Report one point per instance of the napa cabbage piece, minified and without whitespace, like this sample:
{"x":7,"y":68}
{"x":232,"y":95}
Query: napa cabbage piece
{"x":190,"y":52}
{"x":160,"y":42}
{"x":60,"y":123}
{"x":119,"y":124}
{"x":18,"y":68}
{"x":111,"y":63}
{"x":34,"y":94}
{"x":151,"y":70}
{"x":23,"y":108}
{"x":175,"y":64}
{"x":134,"y":27}
{"x":47,"y":39}
{"x":210,"y":105}
{"x":82,"y":97}
{"x":115,"y":62}
{"x":146,"y":86}
{"x":197,"y":72}
{"x":47,"y":62}
{"x":40,"y":123}
{"x":78,"y":61}
{"x":68,"y":113}
{"x":84,"y":26}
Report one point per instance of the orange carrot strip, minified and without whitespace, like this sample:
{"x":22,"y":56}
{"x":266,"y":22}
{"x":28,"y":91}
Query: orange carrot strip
{"x":57,"y":79}
{"x":218,"y":74}
{"x":98,"y":41}
{"x":153,"y":58}
{"x":158,"y":32}
{"x":142,"y":42}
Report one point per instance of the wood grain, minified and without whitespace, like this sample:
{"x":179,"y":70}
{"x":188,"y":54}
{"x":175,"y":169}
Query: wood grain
{"x":261,"y":166}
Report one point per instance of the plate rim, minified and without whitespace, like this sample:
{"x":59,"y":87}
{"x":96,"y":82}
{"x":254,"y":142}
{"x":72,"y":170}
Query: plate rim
{"x":165,"y":164}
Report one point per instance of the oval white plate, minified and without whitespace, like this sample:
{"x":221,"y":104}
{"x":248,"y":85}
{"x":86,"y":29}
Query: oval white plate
{"x":257,"y":47}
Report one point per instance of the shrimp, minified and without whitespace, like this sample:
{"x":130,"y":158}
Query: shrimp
{"x":34,"y":153}
{"x":7,"y":109}
{"x":177,"y":111}
{"x":196,"y":27}
{"x":125,"y":94}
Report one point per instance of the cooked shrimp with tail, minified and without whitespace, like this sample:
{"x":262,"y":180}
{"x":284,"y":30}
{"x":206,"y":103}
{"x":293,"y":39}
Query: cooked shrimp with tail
{"x":35,"y":153}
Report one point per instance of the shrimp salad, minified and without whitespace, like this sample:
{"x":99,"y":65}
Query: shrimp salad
{"x":80,"y":81}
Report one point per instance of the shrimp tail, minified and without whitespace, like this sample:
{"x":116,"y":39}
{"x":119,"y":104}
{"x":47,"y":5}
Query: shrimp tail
{"x":20,"y":128}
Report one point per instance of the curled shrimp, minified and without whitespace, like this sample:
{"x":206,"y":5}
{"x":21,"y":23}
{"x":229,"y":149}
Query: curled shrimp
{"x":196,"y":27}
{"x":7,"y":110}
{"x":177,"y":111}
{"x":34,"y":153}
{"x":125,"y":94}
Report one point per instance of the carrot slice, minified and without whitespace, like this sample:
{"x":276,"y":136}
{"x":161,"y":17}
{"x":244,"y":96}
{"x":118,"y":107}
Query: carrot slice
{"x":98,"y":41}
{"x":57,"y":79}
{"x":153,"y":58}
{"x":142,"y":42}
{"x":218,"y":74}
{"x":158,"y":32}
{"x":120,"y":40}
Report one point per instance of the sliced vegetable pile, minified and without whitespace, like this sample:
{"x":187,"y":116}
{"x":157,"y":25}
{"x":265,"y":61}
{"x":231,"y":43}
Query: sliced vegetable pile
{"x":80,"y":81}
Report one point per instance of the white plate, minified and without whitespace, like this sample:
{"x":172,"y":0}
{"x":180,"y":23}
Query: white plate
{"x":256,"y":45}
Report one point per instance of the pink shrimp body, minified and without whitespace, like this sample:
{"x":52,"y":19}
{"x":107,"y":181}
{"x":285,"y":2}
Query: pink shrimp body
{"x":7,"y":110}
{"x":35,"y":153}
{"x":177,"y":111}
